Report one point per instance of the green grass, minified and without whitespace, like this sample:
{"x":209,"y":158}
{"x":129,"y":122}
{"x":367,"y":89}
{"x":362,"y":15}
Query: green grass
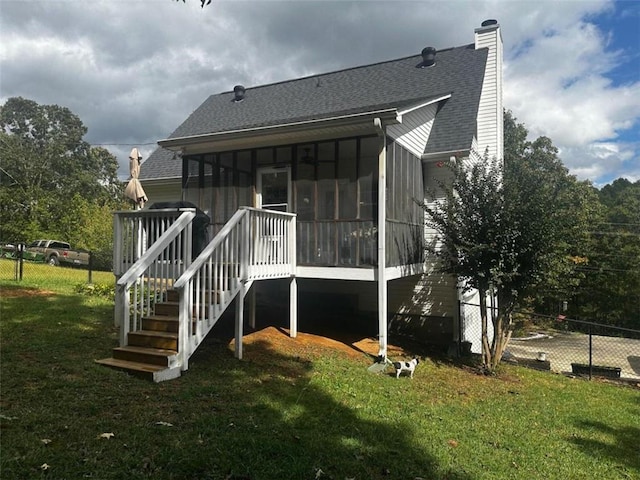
{"x":42,"y":276}
{"x":297,"y":414}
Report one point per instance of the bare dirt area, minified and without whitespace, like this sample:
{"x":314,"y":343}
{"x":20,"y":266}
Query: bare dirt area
{"x":24,"y":292}
{"x":351,"y":345}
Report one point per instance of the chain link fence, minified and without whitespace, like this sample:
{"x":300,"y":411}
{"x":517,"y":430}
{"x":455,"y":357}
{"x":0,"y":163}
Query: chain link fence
{"x":16,"y":264}
{"x":563,"y":345}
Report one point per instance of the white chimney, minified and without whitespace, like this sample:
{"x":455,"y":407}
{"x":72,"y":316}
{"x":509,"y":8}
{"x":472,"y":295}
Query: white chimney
{"x":490,"y":126}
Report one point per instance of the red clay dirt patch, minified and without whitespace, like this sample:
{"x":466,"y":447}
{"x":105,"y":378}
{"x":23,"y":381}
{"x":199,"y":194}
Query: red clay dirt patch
{"x":24,"y":292}
{"x":307,"y":344}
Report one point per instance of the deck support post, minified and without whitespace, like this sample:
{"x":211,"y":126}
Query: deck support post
{"x":252,"y":308}
{"x":293,"y":307}
{"x":382,"y":251}
{"x":240,"y":320}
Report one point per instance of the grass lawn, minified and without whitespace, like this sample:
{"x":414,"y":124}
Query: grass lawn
{"x":301,"y":412}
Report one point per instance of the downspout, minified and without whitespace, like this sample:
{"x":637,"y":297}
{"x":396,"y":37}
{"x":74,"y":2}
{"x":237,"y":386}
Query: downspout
{"x":382,"y":250}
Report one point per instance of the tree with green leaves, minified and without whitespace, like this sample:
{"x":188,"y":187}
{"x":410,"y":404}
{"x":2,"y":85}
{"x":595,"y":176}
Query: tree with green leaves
{"x":45,"y":166}
{"x":509,"y":228}
{"x":610,"y":290}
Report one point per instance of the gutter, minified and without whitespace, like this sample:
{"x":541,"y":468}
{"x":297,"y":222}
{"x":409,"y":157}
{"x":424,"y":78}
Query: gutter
{"x":389,"y":115}
{"x":432,"y":157}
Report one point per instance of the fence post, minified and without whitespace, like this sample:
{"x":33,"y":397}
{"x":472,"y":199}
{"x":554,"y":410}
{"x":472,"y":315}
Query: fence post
{"x":90,"y":266}
{"x":20,"y":265}
{"x":590,"y":352}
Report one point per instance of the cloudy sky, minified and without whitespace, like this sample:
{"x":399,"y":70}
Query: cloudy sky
{"x":133,"y":70}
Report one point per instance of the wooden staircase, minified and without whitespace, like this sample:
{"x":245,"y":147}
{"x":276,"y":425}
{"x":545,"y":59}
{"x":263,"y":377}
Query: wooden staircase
{"x":166,"y":301}
{"x":150,"y":353}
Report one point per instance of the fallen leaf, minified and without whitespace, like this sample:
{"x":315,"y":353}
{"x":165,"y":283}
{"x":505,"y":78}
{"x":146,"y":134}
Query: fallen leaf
{"x":44,"y":466}
{"x":107,"y":435}
{"x":453,"y":443}
{"x":46,"y":441}
{"x":164,"y":424}
{"x":319,"y":473}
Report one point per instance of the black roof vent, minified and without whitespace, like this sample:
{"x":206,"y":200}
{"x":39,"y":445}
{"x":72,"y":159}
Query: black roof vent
{"x":428,"y":57}
{"x":238,"y":93}
{"x":488,"y":23}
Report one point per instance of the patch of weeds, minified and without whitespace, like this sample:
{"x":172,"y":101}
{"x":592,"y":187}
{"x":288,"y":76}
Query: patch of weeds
{"x":96,"y":289}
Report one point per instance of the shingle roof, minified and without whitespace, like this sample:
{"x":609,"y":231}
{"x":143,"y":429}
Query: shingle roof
{"x":392,"y":84}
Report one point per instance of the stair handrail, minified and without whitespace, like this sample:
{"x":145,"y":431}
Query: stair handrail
{"x":197,"y":263}
{"x":147,"y":258}
{"x":234,"y":257}
{"x":141,"y":266}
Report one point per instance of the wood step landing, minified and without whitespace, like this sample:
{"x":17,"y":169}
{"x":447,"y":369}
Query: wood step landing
{"x":147,"y":371}
{"x":144,"y":362}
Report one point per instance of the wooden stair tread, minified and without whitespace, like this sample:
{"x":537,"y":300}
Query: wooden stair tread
{"x":147,"y":350}
{"x":155,"y":333}
{"x":128,"y":365}
{"x":161,"y":318}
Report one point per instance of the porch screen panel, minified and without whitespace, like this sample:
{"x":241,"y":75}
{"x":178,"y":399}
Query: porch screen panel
{"x":305,"y":184}
{"x":306,"y":238}
{"x":326,"y":184}
{"x":367,"y":178}
{"x":206,"y":196}
{"x":244,"y":183}
{"x":405,"y":227}
{"x":347,"y":176}
{"x":326,"y":244}
{"x":190,"y":181}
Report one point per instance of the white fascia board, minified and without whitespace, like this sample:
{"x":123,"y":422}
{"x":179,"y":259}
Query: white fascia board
{"x":161,"y":180}
{"x":389,"y":116}
{"x":405,"y":271}
{"x":423,"y":104}
{"x":338,"y":273}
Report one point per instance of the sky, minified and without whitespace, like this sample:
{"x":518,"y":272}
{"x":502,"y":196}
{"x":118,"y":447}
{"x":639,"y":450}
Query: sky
{"x":133,"y":70}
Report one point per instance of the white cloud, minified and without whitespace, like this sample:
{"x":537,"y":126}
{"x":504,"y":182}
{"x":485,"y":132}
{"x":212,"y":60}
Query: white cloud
{"x":134,"y":70}
{"x":558,"y":87}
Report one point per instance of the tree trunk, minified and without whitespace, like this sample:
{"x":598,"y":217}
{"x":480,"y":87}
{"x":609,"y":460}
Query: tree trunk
{"x":486,"y":346}
{"x":501,"y":336}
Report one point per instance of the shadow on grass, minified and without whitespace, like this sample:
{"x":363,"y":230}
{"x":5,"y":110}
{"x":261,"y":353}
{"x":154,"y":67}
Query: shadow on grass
{"x":623,"y":449}
{"x":275,"y":419}
{"x":273,"y":415}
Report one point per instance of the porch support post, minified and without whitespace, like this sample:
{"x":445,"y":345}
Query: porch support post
{"x":252,"y":308}
{"x":293,"y":283}
{"x":239,"y":321}
{"x":382,"y":251}
{"x":293,"y":307}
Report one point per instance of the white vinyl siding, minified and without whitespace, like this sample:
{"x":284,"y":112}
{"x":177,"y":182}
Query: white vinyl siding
{"x":163,"y":192}
{"x":489,"y":121}
{"x":425,"y":295}
{"x":413,"y":132}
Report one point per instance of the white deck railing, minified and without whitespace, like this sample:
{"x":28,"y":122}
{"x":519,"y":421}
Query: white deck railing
{"x":153,"y":251}
{"x":152,"y":248}
{"x":253,"y":245}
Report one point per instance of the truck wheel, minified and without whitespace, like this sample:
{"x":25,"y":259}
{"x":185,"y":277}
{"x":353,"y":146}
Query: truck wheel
{"x":53,"y":261}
